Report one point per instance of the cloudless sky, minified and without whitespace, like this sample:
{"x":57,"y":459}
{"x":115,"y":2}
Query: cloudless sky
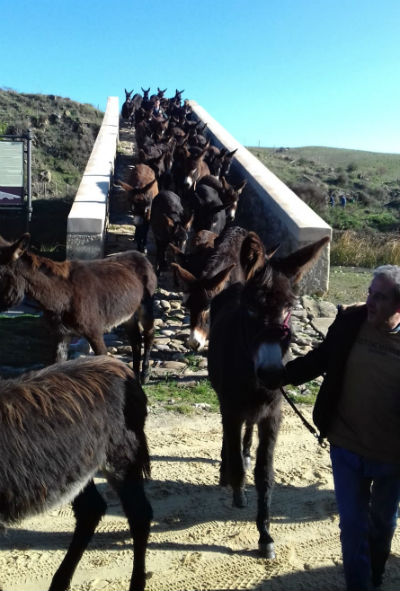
{"x":272,"y":72}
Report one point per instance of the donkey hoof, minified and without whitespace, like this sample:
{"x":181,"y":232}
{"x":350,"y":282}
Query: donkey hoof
{"x":239,"y":499}
{"x":144,"y":377}
{"x":267,"y":550}
{"x":247,"y":462}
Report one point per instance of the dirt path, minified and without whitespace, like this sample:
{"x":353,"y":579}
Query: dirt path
{"x":198,"y":541}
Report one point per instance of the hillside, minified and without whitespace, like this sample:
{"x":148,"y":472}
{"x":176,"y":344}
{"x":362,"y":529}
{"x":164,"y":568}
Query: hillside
{"x":64,"y":132}
{"x":370,"y":181}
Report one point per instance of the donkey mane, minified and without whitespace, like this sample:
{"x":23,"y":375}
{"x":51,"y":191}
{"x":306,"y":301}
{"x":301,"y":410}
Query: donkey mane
{"x":224,"y":246}
{"x":47,"y":266}
{"x":58,"y":391}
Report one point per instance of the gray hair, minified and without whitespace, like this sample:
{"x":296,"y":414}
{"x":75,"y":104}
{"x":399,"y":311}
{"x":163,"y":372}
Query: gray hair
{"x":391,"y":272}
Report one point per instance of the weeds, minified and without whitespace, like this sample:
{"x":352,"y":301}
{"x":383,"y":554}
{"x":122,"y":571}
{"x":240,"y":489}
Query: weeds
{"x":178,"y":397}
{"x":352,"y":249}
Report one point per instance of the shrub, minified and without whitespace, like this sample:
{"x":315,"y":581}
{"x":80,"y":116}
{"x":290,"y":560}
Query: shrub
{"x":360,"y":250}
{"x":314,"y":196}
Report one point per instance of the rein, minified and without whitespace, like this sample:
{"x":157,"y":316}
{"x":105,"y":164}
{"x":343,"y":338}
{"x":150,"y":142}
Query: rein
{"x":308,"y":425}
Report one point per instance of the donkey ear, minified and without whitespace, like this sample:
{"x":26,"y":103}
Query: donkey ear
{"x":218,"y":280}
{"x":124,"y":185}
{"x":240,"y":187}
{"x":252,"y":254}
{"x":269,"y":252}
{"x":297,"y":263}
{"x":20,"y":246}
{"x":186,"y":276}
{"x":231,"y":154}
{"x":148,"y":186}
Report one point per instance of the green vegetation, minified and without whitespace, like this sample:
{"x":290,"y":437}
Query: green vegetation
{"x":348,"y":285}
{"x":178,"y":397}
{"x":64,"y":132}
{"x":371,"y":182}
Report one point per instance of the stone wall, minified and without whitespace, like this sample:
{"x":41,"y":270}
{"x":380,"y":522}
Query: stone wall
{"x":270,"y":208}
{"x":87,"y":220}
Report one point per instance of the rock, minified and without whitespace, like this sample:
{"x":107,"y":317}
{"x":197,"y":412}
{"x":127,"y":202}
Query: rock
{"x":165,"y":305}
{"x":202,"y":405}
{"x":321,"y":325}
{"x":167,"y":332}
{"x":124,"y":350}
{"x":177,"y":365}
{"x":176,"y":305}
{"x":318,"y":308}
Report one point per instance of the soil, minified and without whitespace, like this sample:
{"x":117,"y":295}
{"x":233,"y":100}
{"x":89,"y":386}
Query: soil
{"x":198,"y":540}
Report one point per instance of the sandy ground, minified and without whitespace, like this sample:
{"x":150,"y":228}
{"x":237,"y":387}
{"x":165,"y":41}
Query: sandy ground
{"x":198,"y":540}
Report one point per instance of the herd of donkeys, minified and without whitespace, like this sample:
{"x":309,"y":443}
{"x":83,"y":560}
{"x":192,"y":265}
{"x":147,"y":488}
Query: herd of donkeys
{"x":62,"y":424}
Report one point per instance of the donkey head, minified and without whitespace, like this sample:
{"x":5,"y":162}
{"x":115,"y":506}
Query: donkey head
{"x":231,"y":196}
{"x":267,"y":299}
{"x":197,"y":295}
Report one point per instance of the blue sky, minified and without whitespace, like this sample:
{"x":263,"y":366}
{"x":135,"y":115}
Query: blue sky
{"x":272,"y":72}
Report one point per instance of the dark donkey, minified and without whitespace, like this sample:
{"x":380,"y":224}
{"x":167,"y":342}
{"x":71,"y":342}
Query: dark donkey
{"x":250,"y":333}
{"x":86,"y":298}
{"x":59,"y":426}
{"x":219,"y":269}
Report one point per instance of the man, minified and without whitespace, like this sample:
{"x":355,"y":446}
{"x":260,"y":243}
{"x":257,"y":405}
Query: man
{"x":358,"y":410}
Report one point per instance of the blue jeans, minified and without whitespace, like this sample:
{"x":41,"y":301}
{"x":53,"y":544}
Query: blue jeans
{"x":367,"y":495}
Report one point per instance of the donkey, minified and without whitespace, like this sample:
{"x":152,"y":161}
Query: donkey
{"x":169,"y":225}
{"x":87,"y":298}
{"x":250,"y":333}
{"x":220,"y":269}
{"x":128,"y":106}
{"x":59,"y":426}
{"x":141,"y":189}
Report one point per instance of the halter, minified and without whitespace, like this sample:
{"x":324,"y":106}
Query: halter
{"x":278,"y":332}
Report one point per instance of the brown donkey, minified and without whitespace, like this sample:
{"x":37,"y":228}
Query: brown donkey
{"x":249,"y":335}
{"x":58,"y":427}
{"x":86,"y":298}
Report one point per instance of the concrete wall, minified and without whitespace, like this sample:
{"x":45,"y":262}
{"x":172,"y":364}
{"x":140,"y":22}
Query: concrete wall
{"x":270,"y":208}
{"x":87,"y":220}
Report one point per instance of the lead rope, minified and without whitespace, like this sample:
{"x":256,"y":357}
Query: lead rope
{"x":308,"y":425}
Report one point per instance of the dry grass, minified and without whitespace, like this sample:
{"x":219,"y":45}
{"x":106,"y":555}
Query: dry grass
{"x":354,"y":249}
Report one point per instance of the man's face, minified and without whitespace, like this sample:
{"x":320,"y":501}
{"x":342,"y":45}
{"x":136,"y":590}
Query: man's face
{"x":383,"y":308}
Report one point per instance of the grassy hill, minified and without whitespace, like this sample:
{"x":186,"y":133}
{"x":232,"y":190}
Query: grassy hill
{"x":370,"y":181}
{"x":64,"y":132}
{"x":366,"y":230}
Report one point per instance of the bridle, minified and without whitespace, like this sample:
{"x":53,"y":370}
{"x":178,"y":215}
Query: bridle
{"x":282,"y":332}
{"x":273,"y":332}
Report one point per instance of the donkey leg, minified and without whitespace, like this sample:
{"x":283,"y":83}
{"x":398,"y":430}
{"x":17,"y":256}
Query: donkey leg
{"x":232,"y":427}
{"x":62,"y":345}
{"x":89,"y":507}
{"x":139,"y":514}
{"x":264,"y":480}
{"x":247,"y":441}
{"x":96,"y":341}
{"x":146,"y":315}
{"x":135,"y":340}
{"x":223,"y":474}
